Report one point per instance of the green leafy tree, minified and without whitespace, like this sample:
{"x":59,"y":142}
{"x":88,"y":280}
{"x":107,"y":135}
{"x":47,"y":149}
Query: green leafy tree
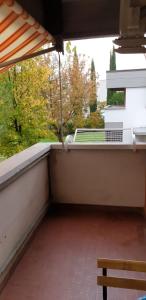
{"x":112,"y":60}
{"x":30,"y":107}
{"x":114,"y":97}
{"x":117,"y":98}
{"x":93,"y":94}
{"x":23,"y":107}
{"x":112,"y":67}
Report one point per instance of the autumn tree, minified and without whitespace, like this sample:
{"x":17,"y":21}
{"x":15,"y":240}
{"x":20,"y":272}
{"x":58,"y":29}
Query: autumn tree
{"x":75,"y":92}
{"x":30,"y":104}
{"x":52,"y":94}
{"x":79,"y":87}
{"x":78,"y":93}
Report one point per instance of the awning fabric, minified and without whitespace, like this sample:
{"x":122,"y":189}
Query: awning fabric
{"x":20,"y":34}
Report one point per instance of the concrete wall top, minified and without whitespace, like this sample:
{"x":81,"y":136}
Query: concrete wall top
{"x":126,"y":78}
{"x":98,"y":146}
{"x":15,"y":166}
{"x":18,"y":163}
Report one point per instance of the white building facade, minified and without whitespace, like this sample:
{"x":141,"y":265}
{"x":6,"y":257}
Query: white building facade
{"x":102,"y":90}
{"x":132,"y":114}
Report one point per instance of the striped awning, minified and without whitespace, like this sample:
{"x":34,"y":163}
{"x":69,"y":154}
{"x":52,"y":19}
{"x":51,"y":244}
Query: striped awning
{"x":20,"y":34}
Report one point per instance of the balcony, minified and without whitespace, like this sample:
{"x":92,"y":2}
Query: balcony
{"x":64,"y":208}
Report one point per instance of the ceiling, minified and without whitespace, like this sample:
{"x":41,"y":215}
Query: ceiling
{"x":75,"y":19}
{"x":29,"y":24}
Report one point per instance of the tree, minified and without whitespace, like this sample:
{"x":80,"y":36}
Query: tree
{"x":78,"y":88}
{"x":53,"y":95}
{"x":95,"y":120}
{"x":30,"y":106}
{"x":24,"y":112}
{"x":112,"y":67}
{"x":75,"y":92}
{"x":93,"y":94}
{"x":117,"y":98}
{"x":78,"y":92}
{"x":112,"y":59}
{"x":114,"y":97}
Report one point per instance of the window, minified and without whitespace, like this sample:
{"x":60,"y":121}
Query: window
{"x":116,"y":97}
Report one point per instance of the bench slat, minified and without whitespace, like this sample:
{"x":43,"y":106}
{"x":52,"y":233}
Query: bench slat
{"x":128,"y":265}
{"x":126,"y":283}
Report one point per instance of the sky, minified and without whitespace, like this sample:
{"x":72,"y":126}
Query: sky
{"x":99,"y":50}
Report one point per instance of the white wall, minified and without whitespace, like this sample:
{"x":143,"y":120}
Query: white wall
{"x":23,"y":201}
{"x":99,"y":176}
{"x":134,"y":112}
{"x":114,"y":115}
{"x":102,"y":90}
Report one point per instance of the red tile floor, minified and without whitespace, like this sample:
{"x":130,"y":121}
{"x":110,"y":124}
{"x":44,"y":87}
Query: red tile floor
{"x":60,"y":261}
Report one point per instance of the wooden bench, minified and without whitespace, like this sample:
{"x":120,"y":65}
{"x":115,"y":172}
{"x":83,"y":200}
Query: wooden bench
{"x":115,"y":282}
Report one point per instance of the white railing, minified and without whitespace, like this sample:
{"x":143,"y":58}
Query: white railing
{"x":110,"y":135}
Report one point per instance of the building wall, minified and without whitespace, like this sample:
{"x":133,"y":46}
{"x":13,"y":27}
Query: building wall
{"x":126,"y":78}
{"x":99,"y":176}
{"x":134,"y":112}
{"x":102,"y":90}
{"x":114,"y":115}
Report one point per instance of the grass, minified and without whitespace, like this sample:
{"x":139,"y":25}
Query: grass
{"x":90,"y":137}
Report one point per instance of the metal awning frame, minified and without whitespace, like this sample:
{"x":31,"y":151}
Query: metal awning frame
{"x":25,"y":57}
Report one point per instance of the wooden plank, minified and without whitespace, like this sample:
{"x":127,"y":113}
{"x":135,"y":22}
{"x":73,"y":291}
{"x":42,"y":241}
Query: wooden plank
{"x":117,"y":264}
{"x":126,"y":283}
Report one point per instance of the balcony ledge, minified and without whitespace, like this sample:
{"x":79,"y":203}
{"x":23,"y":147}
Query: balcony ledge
{"x":16,"y":165}
{"x":99,"y":146}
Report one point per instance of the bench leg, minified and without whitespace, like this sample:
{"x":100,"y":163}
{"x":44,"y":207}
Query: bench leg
{"x":104,"y":287}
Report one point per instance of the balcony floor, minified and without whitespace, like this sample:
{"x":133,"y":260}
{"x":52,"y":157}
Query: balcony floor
{"x":60,"y":261}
